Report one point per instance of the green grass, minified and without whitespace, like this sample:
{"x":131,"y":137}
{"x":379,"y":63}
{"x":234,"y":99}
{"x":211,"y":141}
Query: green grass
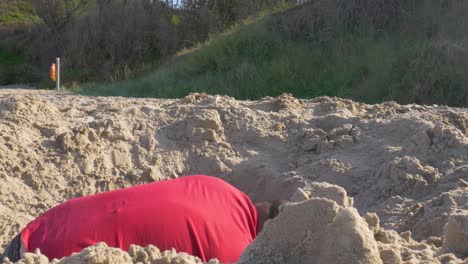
{"x":258,"y":59}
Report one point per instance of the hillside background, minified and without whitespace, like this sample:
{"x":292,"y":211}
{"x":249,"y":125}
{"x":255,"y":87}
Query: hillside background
{"x":367,"y":50}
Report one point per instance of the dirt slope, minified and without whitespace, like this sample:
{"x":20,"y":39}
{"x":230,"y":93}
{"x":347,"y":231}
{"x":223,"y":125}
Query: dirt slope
{"x":407,"y":164}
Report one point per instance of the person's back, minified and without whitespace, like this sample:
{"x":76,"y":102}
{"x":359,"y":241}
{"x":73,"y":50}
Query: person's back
{"x":203,"y":216}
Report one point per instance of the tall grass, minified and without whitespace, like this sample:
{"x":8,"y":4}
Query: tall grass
{"x":365,"y":50}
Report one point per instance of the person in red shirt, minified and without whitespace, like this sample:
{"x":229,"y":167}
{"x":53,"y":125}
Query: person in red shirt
{"x":201,"y":215}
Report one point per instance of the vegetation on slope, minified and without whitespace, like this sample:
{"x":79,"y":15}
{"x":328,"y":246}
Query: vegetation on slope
{"x":15,"y":12}
{"x":96,"y":44}
{"x":15,"y":15}
{"x":365,"y":50}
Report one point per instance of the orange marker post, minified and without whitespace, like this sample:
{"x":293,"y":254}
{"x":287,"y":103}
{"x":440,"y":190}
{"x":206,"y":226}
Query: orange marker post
{"x":53,"y":74}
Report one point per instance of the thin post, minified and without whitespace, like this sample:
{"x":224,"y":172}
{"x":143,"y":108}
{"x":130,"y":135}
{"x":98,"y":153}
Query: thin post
{"x":58,"y":74}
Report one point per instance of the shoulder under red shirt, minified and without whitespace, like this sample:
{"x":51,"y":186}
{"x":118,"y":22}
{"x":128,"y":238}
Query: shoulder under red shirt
{"x":201,"y":215}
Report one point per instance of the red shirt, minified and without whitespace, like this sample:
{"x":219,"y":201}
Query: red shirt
{"x":201,"y":215}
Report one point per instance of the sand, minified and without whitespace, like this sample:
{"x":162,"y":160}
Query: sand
{"x":101,"y":253}
{"x":383,"y":183}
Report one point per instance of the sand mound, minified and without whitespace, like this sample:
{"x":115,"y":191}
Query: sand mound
{"x":314,"y":231}
{"x":392,"y":179}
{"x":321,"y":227}
{"x":101,"y":253}
{"x":456,"y":232}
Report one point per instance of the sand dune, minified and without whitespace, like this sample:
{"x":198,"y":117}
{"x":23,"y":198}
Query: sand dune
{"x":382,"y":183}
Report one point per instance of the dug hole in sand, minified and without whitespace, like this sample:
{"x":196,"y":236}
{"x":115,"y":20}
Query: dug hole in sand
{"x":381,"y":183}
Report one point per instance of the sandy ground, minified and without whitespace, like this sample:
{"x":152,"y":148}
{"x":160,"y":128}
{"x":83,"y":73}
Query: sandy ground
{"x":379,"y":183}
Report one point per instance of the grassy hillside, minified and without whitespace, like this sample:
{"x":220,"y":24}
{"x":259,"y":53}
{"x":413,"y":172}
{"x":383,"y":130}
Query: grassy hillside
{"x":14,"y":12}
{"x":14,"y":15}
{"x":96,"y":44}
{"x":407,"y":54}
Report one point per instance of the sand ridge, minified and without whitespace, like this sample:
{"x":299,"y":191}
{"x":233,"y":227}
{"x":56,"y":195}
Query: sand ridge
{"x":394,"y":177}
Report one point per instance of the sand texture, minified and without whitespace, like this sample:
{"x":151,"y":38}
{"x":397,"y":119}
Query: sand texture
{"x":101,"y":253}
{"x":383,"y":183}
